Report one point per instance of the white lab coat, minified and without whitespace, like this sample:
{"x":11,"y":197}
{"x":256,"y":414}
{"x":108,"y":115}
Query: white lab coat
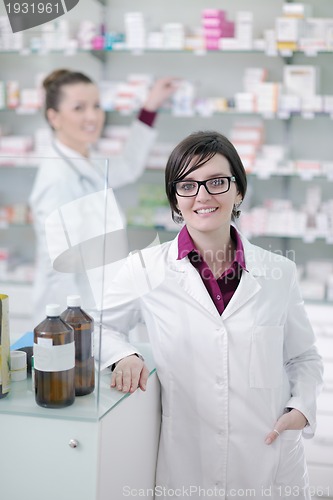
{"x":58,"y":183}
{"x":225,"y":380}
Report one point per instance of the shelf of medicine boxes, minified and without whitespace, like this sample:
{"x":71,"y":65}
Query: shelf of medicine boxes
{"x":17,"y":238}
{"x":69,"y":52}
{"x":153,"y":214}
{"x":279,"y":115}
{"x":170,"y":230}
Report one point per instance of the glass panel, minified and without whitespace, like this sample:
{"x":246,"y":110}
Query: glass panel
{"x":56,"y":239}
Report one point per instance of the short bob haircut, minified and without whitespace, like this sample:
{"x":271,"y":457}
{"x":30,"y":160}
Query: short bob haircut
{"x":196,"y":150}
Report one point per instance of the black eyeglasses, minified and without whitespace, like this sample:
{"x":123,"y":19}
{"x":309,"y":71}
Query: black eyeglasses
{"x":218,"y":185}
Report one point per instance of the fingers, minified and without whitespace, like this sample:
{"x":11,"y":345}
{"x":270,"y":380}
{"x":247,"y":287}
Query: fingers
{"x":272,"y":436}
{"x":143,"y":378}
{"x":293,"y":420}
{"x":130,"y":373}
{"x":161,"y":90}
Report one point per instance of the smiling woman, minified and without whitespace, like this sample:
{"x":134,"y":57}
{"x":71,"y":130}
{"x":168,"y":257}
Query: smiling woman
{"x":70,"y":171}
{"x":73,"y":110}
{"x":234,"y":350}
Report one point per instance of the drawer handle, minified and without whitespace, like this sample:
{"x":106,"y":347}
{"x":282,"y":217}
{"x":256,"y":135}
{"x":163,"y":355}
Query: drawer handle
{"x":73,"y":443}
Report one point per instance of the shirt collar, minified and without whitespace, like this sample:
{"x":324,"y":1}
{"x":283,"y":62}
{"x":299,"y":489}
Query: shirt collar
{"x":67,"y":151}
{"x":186,"y":246}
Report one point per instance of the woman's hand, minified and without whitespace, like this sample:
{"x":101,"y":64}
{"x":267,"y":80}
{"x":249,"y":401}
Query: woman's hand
{"x":129,"y":374}
{"x":293,"y":420}
{"x":160,"y":92}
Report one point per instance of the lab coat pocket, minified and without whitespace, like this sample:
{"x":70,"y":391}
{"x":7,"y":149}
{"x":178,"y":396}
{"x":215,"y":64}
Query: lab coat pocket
{"x":291,"y":435}
{"x":291,"y":477}
{"x":266,"y":358}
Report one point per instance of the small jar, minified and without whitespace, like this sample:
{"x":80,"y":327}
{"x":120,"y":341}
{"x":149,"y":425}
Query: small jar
{"x":18,"y":365}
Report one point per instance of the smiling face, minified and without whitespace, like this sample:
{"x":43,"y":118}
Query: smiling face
{"x":79,"y":120}
{"x":207,"y":213}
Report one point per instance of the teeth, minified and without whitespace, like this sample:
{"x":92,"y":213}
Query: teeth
{"x":205,"y":210}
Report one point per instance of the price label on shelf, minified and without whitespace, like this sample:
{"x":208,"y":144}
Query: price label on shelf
{"x":26,"y":111}
{"x":137,"y":52}
{"x":271,"y":52}
{"x":70,"y":51}
{"x":268,"y":116}
{"x":306,"y":175}
{"x":309,"y":238}
{"x":308,"y":115}
{"x":283,"y":115}
{"x":263,"y":174}
{"x":43,"y":51}
{"x":286,"y":53}
{"x":200,"y":52}
{"x":25,"y":51}
{"x":125,"y":112}
{"x":311,"y":52}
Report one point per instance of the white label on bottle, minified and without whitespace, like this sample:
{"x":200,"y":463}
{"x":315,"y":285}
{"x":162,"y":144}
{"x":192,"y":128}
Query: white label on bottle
{"x":45,"y":342}
{"x":55,"y":358}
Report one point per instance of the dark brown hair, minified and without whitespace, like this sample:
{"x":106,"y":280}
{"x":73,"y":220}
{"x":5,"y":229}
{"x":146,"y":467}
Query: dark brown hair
{"x":196,"y":150}
{"x":54,"y":82}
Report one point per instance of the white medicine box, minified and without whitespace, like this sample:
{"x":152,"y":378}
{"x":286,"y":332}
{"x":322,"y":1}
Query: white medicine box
{"x":301,"y":80}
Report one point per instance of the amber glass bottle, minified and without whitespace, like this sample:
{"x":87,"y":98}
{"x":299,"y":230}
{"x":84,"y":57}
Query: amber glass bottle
{"x":54,"y":361}
{"x":83,"y":326}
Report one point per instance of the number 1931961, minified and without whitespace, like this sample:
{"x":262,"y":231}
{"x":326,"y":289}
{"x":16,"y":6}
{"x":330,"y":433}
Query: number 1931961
{"x":296,"y":491}
{"x":33,"y":8}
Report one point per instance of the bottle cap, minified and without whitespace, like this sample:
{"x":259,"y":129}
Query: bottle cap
{"x":52,"y":310}
{"x":73,"y":300}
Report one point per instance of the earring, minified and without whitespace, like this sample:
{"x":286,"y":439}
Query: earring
{"x":179,"y":216}
{"x":235,"y":211}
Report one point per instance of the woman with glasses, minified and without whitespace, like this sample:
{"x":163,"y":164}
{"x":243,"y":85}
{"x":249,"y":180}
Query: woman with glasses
{"x":234,"y":350}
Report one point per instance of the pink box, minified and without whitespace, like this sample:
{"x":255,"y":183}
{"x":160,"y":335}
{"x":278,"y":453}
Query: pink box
{"x":218,"y":13}
{"x":212,"y":22}
{"x":212,"y":33}
{"x":212,"y":43}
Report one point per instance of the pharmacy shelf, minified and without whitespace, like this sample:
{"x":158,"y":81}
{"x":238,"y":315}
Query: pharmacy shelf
{"x":5,"y":226}
{"x":306,"y":239}
{"x":279,"y":115}
{"x":143,"y":51}
{"x":11,"y":282}
{"x":266,"y":175}
{"x":284,"y":171}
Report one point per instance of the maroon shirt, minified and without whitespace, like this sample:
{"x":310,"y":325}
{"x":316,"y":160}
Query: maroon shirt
{"x":222,"y":289}
{"x":147,"y":117}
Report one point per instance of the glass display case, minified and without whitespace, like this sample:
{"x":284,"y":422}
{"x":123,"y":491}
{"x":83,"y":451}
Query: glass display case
{"x":78,"y":231}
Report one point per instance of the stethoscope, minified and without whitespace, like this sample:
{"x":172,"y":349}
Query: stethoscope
{"x":83,"y":179}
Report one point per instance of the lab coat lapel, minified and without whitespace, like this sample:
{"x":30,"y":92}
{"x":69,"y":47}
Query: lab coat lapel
{"x":246,"y":289}
{"x":249,"y":284}
{"x":190,"y":280}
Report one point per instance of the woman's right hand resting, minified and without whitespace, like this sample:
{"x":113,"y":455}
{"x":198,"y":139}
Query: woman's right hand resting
{"x":129,"y":374}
